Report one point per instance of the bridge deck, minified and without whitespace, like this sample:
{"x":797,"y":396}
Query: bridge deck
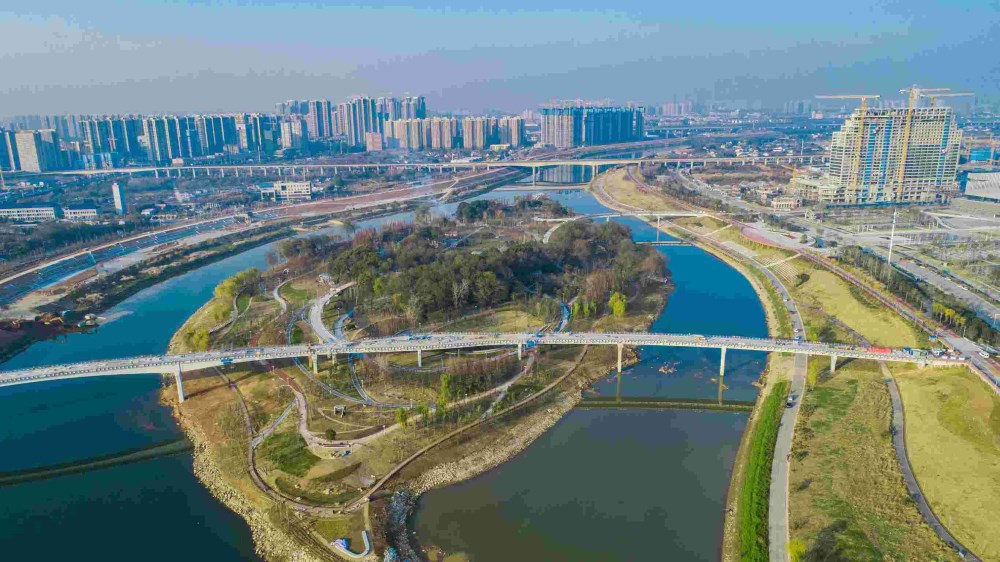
{"x":398,"y":344}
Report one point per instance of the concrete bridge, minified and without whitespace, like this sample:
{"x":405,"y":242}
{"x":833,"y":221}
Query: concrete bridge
{"x":608,"y":216}
{"x":596,"y":164}
{"x":175,"y":365}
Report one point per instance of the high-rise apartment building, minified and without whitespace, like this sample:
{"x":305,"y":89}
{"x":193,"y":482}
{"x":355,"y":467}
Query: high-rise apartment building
{"x":38,"y":151}
{"x":511,"y":131}
{"x":567,"y":127}
{"x":8,"y":151}
{"x":118,"y":194}
{"x":892,"y":156}
{"x":294,"y":131}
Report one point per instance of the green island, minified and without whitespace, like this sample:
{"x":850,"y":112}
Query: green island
{"x":326,"y":437}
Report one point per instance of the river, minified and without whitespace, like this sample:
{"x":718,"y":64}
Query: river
{"x":621,"y":484}
{"x":600,"y":485}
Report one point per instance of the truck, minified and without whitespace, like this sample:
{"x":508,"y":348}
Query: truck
{"x":884,"y":350}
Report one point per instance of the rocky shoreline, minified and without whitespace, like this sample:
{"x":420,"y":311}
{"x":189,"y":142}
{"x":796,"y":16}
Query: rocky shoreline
{"x":501,"y":450}
{"x":270,"y":542}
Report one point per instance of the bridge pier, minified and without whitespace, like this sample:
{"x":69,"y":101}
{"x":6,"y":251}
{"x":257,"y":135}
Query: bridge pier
{"x":420,"y":358}
{"x":833,"y":364}
{"x":534,"y":174}
{"x":722,"y":371}
{"x":621,"y":348}
{"x":333,"y":359}
{"x":314,"y":361}
{"x":657,"y":228}
{"x":180,"y":382}
{"x":156,"y":173}
{"x":520,"y":351}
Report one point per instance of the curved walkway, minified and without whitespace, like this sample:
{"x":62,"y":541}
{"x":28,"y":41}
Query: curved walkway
{"x":912,"y":486}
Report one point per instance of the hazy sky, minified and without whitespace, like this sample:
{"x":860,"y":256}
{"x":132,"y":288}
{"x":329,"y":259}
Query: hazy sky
{"x":84,"y":56}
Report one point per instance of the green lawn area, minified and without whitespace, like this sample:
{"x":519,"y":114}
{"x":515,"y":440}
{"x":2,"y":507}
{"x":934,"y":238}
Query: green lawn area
{"x":287,"y":451}
{"x":849,"y":305}
{"x":753,"y":502}
{"x":953,"y":440}
{"x":507,"y":319}
{"x":847,"y":498}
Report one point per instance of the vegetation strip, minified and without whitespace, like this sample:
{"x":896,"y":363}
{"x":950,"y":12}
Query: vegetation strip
{"x":752,"y":514}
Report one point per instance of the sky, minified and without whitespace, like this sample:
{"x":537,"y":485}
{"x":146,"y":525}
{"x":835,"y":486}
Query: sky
{"x":119,"y":56}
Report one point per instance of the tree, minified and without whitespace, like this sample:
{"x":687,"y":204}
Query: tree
{"x":617,"y":304}
{"x":402,"y":417}
{"x":330,"y":434}
{"x":801,"y":278}
{"x":424,"y":411}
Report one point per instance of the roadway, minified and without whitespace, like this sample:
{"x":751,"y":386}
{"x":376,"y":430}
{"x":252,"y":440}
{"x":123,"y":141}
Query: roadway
{"x":170,"y":364}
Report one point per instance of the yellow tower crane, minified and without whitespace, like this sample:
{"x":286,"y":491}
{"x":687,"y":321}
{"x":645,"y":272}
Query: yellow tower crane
{"x":856,"y":165}
{"x":934,"y":97}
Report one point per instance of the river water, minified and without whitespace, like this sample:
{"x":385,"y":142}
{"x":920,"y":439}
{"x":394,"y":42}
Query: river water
{"x":621,"y":484}
{"x":601,"y":485}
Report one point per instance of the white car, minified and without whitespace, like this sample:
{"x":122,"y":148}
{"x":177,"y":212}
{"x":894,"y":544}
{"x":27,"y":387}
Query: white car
{"x":984,"y":355}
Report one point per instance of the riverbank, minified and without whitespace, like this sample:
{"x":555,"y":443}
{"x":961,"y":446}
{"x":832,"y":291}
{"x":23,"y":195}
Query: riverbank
{"x":270,"y":541}
{"x":744,"y":511}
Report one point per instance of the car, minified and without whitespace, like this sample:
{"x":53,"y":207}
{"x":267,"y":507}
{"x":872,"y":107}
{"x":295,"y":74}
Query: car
{"x":984,"y":355}
{"x":791,"y":401}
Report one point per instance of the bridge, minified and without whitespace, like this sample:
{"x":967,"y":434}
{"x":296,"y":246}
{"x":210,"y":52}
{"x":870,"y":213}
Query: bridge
{"x":278,"y":169}
{"x":175,"y":365}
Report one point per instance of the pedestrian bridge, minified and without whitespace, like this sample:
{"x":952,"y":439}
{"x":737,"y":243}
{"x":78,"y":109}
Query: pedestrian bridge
{"x":178,"y":363}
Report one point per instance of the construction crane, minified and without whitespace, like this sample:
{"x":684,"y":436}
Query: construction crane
{"x":856,"y":166}
{"x":933,"y":97}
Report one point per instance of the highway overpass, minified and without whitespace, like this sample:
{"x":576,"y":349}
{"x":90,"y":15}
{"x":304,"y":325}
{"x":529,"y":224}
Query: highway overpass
{"x":177,"y":364}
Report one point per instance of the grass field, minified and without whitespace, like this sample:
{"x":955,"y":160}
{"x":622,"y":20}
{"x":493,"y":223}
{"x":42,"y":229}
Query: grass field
{"x":618,"y":186}
{"x":847,"y":498}
{"x":286,"y":451}
{"x":953,"y":440}
{"x":835,"y":297}
{"x":752,"y":512}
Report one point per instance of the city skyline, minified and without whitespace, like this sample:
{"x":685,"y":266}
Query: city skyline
{"x":243,"y":56}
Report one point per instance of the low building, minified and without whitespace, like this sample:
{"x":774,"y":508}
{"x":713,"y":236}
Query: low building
{"x":286,"y":191}
{"x":785,"y":203}
{"x":984,"y":186}
{"x":80,"y":214}
{"x":29,"y":213}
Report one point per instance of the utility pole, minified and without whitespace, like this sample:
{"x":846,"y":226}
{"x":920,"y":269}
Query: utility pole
{"x":892,"y":239}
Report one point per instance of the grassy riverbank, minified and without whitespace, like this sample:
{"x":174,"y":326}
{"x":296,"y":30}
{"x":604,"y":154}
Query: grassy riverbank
{"x":953,"y":441}
{"x":752,"y":513}
{"x":847,"y":497}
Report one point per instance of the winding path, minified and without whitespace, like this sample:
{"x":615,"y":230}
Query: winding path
{"x":912,"y":486}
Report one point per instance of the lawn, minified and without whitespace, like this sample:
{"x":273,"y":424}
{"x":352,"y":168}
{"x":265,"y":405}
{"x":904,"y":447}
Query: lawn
{"x":618,"y":186}
{"x":847,"y":497}
{"x":287,"y":452}
{"x":953,"y":439}
{"x":836,"y":297}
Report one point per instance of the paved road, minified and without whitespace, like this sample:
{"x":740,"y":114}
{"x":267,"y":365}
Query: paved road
{"x":316,"y":313}
{"x":777,"y":523}
{"x":912,"y":486}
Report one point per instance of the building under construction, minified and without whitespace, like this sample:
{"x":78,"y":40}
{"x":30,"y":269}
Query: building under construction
{"x":881,"y":156}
